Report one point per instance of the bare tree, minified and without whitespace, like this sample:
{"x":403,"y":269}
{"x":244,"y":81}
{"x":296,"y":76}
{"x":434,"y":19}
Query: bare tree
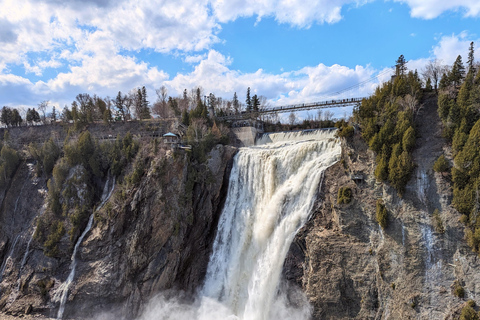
{"x":434,"y":70}
{"x":319,"y":115}
{"x":409,"y":102}
{"x":328,"y":115}
{"x":42,"y":107}
{"x":160,"y":107}
{"x":197,"y":129}
{"x":292,"y":118}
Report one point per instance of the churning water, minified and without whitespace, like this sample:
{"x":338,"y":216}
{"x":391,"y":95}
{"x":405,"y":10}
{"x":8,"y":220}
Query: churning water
{"x":272,"y":189}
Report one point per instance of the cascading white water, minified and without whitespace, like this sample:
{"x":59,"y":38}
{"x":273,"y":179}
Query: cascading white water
{"x":62,"y":291}
{"x":9,"y":256}
{"x":271,"y":193}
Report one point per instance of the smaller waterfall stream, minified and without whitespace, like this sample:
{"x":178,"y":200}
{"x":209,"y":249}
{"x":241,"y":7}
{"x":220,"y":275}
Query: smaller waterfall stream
{"x":8,"y":257}
{"x":14,"y":294}
{"x":63,"y":289}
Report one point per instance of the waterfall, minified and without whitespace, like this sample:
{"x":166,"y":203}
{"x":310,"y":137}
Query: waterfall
{"x":62,"y":292}
{"x":8,"y":257}
{"x":15,"y":292}
{"x":271,"y":193}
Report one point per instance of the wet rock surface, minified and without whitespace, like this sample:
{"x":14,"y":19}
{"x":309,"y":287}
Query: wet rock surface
{"x":352,"y":269}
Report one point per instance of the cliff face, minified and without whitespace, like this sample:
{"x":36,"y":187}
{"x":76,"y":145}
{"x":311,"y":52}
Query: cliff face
{"x":350,"y":267}
{"x":154,"y":236}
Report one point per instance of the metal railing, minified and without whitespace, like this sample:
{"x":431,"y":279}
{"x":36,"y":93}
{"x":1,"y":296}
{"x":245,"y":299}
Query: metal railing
{"x":293,"y":107}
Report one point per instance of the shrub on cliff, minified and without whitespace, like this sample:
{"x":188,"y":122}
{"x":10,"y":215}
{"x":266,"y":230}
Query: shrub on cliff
{"x":382,"y":214}
{"x":441,"y":164}
{"x":458,"y":290}
{"x":344,"y":195}
{"x":344,"y":129}
{"x":9,"y":161}
{"x":57,"y":230}
{"x":437,"y":222}
{"x":468,"y":313}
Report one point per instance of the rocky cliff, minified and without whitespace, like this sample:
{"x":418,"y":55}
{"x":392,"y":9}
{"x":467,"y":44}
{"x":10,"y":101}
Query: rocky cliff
{"x":151,"y":236}
{"x":351,"y":268}
{"x":155,"y":235}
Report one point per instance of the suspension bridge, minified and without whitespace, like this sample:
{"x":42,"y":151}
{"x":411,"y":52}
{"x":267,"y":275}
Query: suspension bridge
{"x":337,"y":103}
{"x":327,"y":104}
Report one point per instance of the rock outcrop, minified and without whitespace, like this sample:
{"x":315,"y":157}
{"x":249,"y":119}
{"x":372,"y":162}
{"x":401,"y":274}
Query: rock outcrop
{"x":351,"y":268}
{"x":150,"y":237}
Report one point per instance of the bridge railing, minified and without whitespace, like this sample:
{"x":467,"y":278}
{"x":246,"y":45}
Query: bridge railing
{"x":294,"y":107}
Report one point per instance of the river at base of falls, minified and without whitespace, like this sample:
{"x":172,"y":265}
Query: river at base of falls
{"x":271,"y":193}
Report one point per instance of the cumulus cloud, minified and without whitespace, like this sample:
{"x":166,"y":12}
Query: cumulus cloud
{"x":294,"y":12}
{"x":449,"y":47}
{"x":307,"y":84}
{"x":429,"y":9}
{"x":92,"y":45}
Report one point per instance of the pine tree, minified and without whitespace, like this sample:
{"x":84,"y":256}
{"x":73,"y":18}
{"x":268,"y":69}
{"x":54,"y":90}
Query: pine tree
{"x":144,"y":103}
{"x":248,"y":101}
{"x":471,"y":59}
{"x":119,"y":105}
{"x":255,"y":103}
{"x":428,"y":85}
{"x":54,"y":115}
{"x":458,"y":72}
{"x":400,"y":66}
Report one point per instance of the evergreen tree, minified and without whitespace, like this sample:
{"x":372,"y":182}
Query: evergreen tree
{"x":185,"y":118}
{"x":119,"y":105}
{"x":54,"y":115}
{"x":235,"y":103}
{"x":255,"y":103}
{"x":458,"y":72}
{"x":428,"y":85}
{"x":248,"y":101}
{"x":145,"y":110}
{"x":400,"y":66}
{"x":471,"y":59}
{"x":16,"y":118}
{"x":6,"y":116}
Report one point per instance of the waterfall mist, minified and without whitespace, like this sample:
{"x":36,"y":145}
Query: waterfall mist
{"x":271,"y":193}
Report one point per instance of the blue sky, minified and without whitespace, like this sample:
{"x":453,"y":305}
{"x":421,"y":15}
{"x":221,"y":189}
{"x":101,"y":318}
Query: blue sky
{"x":288,"y":51}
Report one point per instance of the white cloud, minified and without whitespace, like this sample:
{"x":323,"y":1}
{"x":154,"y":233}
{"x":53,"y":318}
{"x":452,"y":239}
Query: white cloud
{"x":88,"y":41}
{"x":429,"y":9}
{"x":305,"y":85}
{"x":449,"y":47}
{"x":295,"y":12}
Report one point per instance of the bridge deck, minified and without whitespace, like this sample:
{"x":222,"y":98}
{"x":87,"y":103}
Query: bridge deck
{"x":295,"y":107}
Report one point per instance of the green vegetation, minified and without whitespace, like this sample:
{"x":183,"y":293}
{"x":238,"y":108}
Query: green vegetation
{"x":344,"y":195}
{"x":458,"y":290}
{"x":45,"y":285}
{"x":381,"y":214}
{"x":57,"y":230}
{"x":344,"y":129}
{"x":46,"y":156}
{"x":468,"y":312}
{"x":441,"y":164}
{"x":437,"y":222}
{"x":75,"y":182}
{"x":458,"y":101}
{"x":386,"y":119}
{"x":9,"y":161}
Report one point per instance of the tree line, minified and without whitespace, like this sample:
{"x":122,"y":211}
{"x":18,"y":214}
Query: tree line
{"x":459,"y":110}
{"x":133,"y":105}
